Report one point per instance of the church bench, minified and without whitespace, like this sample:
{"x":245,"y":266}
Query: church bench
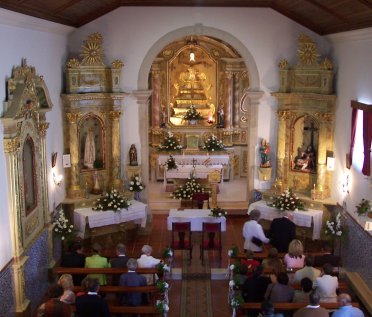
{"x":141,"y":310}
{"x":123,"y":289}
{"x":264,"y":255}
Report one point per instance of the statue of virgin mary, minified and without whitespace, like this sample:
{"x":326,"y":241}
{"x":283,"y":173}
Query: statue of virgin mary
{"x":89,"y":150}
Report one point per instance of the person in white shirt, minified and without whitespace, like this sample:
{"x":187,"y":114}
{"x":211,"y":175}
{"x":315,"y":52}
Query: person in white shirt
{"x":253,"y":229}
{"x":327,"y":285}
{"x":146,"y":260}
{"x":308,"y":271}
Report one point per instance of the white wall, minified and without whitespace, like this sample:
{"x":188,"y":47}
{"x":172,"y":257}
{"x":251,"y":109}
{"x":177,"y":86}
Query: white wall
{"x":130,"y":32}
{"x":353,"y":61}
{"x":43,"y":44}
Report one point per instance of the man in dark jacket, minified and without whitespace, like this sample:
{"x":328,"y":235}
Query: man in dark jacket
{"x":282,"y":232}
{"x":132,"y":279}
{"x":91,"y":304}
{"x":75,"y":258}
{"x":119,"y":262}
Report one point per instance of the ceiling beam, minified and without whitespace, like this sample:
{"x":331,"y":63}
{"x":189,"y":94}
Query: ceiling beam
{"x":328,"y":10}
{"x":366,"y":2}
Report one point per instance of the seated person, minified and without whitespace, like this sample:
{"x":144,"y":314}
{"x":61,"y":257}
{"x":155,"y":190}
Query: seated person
{"x":327,"y":256}
{"x":54,"y":307}
{"x":280,"y":291}
{"x":267,"y":310}
{"x":97,"y":261}
{"x":250,"y":261}
{"x":308,"y":271}
{"x":254,"y":288}
{"x":91,"y":304}
{"x":75,"y":258}
{"x":67,"y":284}
{"x":146,"y":260}
{"x":273,"y":262}
{"x":241,"y":276}
{"x":295,"y":257}
{"x":327,"y":284}
{"x":302,"y":296}
{"x":132,"y":278}
{"x":345,"y":307}
{"x":313,"y":309}
{"x":120,"y":261}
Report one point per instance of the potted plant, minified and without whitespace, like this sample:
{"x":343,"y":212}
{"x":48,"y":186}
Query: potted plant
{"x":287,"y":201}
{"x":212,"y":144}
{"x":364,"y":208}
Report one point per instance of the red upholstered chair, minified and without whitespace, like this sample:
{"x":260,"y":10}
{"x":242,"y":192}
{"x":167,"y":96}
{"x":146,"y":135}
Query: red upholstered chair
{"x":181,"y":236}
{"x":211,"y":239}
{"x":199,"y":198}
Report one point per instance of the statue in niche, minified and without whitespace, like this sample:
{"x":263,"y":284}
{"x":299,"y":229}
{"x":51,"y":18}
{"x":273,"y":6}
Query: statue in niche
{"x":163,"y":117}
{"x":89,"y":150}
{"x":220,"y":118}
{"x":305,"y":159}
{"x":133,"y":156}
{"x":265,"y":154}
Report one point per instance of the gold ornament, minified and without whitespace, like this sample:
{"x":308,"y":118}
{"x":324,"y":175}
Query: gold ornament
{"x":73,"y":63}
{"x":283,"y":64}
{"x":91,"y":50}
{"x":117,"y":63}
{"x":308,"y":54}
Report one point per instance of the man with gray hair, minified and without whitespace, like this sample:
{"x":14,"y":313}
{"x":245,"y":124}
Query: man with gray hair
{"x":282,"y":231}
{"x":346,"y":309}
{"x":132,"y":278}
{"x":313,"y":309}
{"x":253,"y":233}
{"x":120,"y":261}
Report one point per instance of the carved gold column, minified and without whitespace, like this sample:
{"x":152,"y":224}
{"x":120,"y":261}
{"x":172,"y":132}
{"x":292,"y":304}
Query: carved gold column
{"x":116,"y":180}
{"x":11,"y":149}
{"x":155,"y":72}
{"x":283,"y":116}
{"x":325,"y":120}
{"x":236,"y":100}
{"x":74,"y":190}
{"x":229,"y":97}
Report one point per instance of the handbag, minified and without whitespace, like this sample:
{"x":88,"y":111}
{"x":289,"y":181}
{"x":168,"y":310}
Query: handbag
{"x":256,"y":241}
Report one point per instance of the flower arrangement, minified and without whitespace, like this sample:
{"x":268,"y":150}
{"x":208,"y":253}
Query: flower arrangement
{"x":111,"y":201}
{"x":333,"y":227}
{"x":287,"y":201}
{"x":167,"y":253}
{"x":135,"y":184}
{"x":62,"y":228}
{"x":236,"y":301}
{"x":187,"y":190}
{"x":192,"y":114}
{"x":218,"y":212}
{"x":171,"y":163}
{"x":170,"y":143}
{"x":364,"y":207}
{"x":212,"y":144}
{"x":162,"y":286}
{"x":233,"y":251}
{"x":162,"y":267}
{"x":161,"y":306}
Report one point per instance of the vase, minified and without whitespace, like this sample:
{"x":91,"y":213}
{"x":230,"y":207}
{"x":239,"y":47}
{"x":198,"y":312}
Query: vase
{"x":192,"y":122}
{"x":137,"y":196}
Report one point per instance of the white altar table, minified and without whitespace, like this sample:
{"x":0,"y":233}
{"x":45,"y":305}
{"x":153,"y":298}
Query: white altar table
{"x":136,"y":212}
{"x":300,"y":218}
{"x":198,"y":159}
{"x":195,"y":216}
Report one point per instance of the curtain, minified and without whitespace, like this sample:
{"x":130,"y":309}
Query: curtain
{"x":354,"y":117}
{"x":367,"y":139}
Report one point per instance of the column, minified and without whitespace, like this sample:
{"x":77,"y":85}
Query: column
{"x":283,"y":116}
{"x":155,"y":74}
{"x":229,"y":99}
{"x":116,"y":180}
{"x":236,"y":100}
{"x":74,"y":190}
{"x":142,"y":97}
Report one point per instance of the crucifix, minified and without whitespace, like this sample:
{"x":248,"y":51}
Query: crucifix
{"x":194,"y":160}
{"x":312,"y":131}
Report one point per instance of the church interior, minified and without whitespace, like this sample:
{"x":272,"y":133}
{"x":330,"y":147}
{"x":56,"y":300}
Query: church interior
{"x":180,"y":111}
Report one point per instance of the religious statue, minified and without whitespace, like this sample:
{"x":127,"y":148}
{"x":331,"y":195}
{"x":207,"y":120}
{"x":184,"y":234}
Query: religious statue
{"x":133,"y":156}
{"x":305,"y":160}
{"x":89,"y":150}
{"x":265,"y":153}
{"x":220,"y":118}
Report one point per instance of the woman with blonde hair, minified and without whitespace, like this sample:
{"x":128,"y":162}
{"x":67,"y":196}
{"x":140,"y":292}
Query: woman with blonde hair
{"x":295,"y":257}
{"x":67,"y":284}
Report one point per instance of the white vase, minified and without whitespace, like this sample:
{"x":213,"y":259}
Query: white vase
{"x":193,"y":122}
{"x":137,"y":196}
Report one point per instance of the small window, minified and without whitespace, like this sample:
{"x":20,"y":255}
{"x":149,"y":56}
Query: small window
{"x":29,"y":175}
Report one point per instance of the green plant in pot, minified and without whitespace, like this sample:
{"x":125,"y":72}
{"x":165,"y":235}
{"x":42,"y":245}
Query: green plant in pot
{"x":364,"y":208}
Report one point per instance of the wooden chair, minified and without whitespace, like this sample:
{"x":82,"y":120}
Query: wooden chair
{"x":181,"y":236}
{"x":199,"y":198}
{"x":211,"y":239}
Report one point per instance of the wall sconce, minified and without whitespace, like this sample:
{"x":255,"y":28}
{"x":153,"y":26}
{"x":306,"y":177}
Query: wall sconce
{"x":331,"y":163}
{"x":57,"y":179}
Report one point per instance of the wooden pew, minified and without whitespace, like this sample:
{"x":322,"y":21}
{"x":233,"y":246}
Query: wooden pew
{"x":264,"y":254}
{"x":145,"y":310}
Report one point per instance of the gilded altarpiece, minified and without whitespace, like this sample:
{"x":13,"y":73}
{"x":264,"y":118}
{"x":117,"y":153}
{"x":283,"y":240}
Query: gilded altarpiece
{"x":211,"y":76}
{"x":306,"y":120}
{"x":25,"y":127}
{"x":92,"y":110}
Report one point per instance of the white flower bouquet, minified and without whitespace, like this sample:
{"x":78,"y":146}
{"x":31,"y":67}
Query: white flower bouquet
{"x":171,"y":163}
{"x":187,"y":190}
{"x":62,"y":228}
{"x":287,"y":201}
{"x":111,"y":201}
{"x":218,"y":212}
{"x":212,"y":144}
{"x":135,"y":184}
{"x":162,"y":306}
{"x":192,"y":114}
{"x":334,"y":228}
{"x":170,"y":143}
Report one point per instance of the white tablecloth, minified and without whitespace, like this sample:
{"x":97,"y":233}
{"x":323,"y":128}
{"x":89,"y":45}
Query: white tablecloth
{"x":136,"y":212}
{"x":185,"y":171}
{"x":200,"y":159}
{"x":300,"y":218}
{"x":195,"y":216}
